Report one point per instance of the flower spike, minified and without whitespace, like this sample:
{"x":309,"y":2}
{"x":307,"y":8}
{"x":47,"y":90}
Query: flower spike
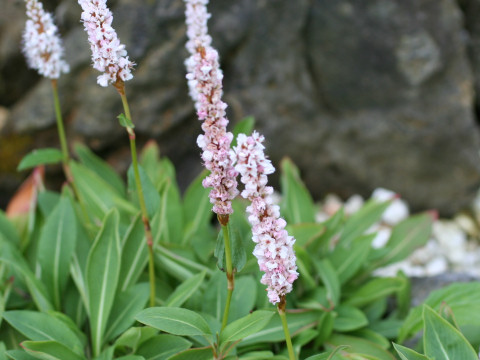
{"x":42,"y":45}
{"x":205,"y":82}
{"x":274,"y":247}
{"x":108,"y":54}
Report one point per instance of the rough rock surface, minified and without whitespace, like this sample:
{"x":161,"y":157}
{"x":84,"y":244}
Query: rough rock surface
{"x":360,"y":94}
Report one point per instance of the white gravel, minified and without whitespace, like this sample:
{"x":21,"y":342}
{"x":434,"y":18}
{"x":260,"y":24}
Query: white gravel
{"x":453,"y":247}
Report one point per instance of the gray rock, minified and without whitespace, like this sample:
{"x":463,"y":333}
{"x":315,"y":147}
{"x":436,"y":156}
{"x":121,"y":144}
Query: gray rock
{"x":360,"y":94}
{"x":422,"y":287}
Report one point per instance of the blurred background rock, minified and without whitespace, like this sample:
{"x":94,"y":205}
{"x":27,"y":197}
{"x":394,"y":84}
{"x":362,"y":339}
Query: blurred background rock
{"x":359,"y":93}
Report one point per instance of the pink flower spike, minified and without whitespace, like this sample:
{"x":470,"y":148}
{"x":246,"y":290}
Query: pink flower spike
{"x":42,"y":45}
{"x":274,"y":247}
{"x":108,"y":54}
{"x":205,"y":83}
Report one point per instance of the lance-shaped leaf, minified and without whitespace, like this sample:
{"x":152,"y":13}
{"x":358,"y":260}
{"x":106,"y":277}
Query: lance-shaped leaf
{"x":375,"y":289}
{"x":161,"y":347}
{"x":20,"y":355}
{"x":442,"y":341}
{"x":196,"y":208}
{"x":40,"y":157}
{"x":246,"y":326}
{"x":297,"y":204}
{"x":134,"y":253}
{"x":10,"y":255}
{"x":99,"y":196}
{"x":50,"y":350}
{"x":150,"y":193}
{"x":44,"y":327}
{"x":100,"y":167}
{"x":103,"y":268}
{"x":362,"y":220}
{"x":408,"y":354}
{"x":127,"y":305}
{"x":176,"y":321}
{"x":183,"y":292}
{"x":55,"y":248}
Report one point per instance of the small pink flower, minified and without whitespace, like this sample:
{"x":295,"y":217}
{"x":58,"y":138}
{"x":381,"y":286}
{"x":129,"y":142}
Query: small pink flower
{"x":108,"y":54}
{"x":274,"y":247}
{"x":41,"y":44}
{"x":205,"y":83}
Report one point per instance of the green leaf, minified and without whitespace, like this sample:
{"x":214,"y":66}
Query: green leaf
{"x":183,"y":292}
{"x":196,"y":208}
{"x":167,"y":224}
{"x":388,"y":327}
{"x":408,"y":354}
{"x":297,"y":204}
{"x":215,"y":295}
{"x":176,"y":321}
{"x":237,"y":247}
{"x":103,"y":268}
{"x":368,"y":334}
{"x":134,"y":254}
{"x":362,"y":220}
{"x":40,"y":157}
{"x":244,"y":126}
{"x":243,"y":298}
{"x":464,"y":301}
{"x":246,"y":326}
{"x":363,"y":347}
{"x":333,"y":226}
{"x":329,"y":278}
{"x":324,"y":327}
{"x":47,"y":201}
{"x":100,"y":167}
{"x":127,"y":304}
{"x":8,"y":230}
{"x":348,"y":260}
{"x":407,"y":236}
{"x":43,"y":327}
{"x":11,"y":257}
{"x":305,"y":268}
{"x":442,"y":341}
{"x":20,"y":355}
{"x":55,"y":248}
{"x":197,"y":354}
{"x":135,"y":336}
{"x":150,"y":193}
{"x":329,"y":355}
{"x":125,"y":121}
{"x":161,"y":347}
{"x":375,"y":289}
{"x":99,"y":196}
{"x":404,"y":296}
{"x":349,"y":318}
{"x":130,"y":357}
{"x":306,"y":234}
{"x":50,"y":350}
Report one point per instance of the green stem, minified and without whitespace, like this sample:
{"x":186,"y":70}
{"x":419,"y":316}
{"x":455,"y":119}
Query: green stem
{"x":141,"y":198}
{"x":283,"y":316}
{"x":223,"y":219}
{"x":61,"y":129}
{"x":66,"y":156}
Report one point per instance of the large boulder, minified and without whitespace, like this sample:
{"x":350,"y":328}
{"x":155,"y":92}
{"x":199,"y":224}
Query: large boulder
{"x":360,"y":94}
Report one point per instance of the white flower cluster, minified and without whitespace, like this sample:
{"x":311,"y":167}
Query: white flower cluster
{"x":274,"y":247}
{"x":205,"y":82}
{"x":41,"y":44}
{"x":108,"y":54}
